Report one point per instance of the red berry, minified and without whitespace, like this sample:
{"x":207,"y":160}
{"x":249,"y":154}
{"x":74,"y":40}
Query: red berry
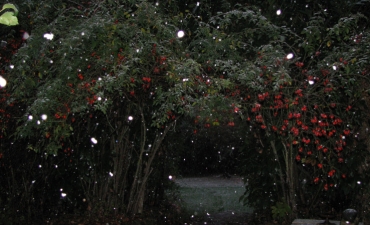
{"x":316,"y":180}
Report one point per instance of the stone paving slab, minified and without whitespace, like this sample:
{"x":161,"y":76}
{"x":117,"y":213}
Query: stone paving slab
{"x":313,"y":222}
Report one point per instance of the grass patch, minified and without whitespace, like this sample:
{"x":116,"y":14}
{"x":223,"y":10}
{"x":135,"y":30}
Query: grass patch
{"x":198,"y":201}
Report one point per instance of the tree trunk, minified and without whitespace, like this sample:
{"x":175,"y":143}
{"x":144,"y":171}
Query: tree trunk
{"x":281,"y":175}
{"x":138,"y":189}
{"x":290,"y":179}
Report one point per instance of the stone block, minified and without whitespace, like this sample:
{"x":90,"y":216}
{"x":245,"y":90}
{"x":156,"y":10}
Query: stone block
{"x":313,"y":222}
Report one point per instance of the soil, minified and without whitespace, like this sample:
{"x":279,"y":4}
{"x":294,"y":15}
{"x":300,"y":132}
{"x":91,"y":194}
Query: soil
{"x":220,"y":218}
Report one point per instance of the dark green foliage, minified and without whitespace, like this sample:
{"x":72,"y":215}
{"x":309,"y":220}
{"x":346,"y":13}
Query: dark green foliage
{"x":259,"y":167}
{"x":115,"y":82}
{"x":208,"y":148}
{"x":281,"y":210}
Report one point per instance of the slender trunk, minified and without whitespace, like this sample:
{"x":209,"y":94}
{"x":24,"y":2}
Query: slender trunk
{"x":281,"y":175}
{"x":121,"y":165}
{"x":137,"y":196}
{"x":287,"y":182}
{"x":134,"y":193}
{"x":104,"y":193}
{"x":290,"y":181}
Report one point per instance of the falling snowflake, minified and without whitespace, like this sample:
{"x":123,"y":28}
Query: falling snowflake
{"x":49,"y":36}
{"x":94,"y":141}
{"x":180,"y":33}
{"x":290,"y":56}
{"x":2,"y":82}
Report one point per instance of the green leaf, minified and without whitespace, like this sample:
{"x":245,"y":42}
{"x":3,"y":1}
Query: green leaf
{"x":8,"y":19}
{"x":348,"y":70}
{"x":10,"y":6}
{"x":216,"y":123}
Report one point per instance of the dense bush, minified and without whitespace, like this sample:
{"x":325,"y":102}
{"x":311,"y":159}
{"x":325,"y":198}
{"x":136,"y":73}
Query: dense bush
{"x":98,"y":86}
